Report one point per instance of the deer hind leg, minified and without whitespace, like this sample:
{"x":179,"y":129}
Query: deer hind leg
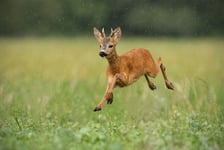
{"x":169,"y":84}
{"x":150,"y":83}
{"x":152,"y":72}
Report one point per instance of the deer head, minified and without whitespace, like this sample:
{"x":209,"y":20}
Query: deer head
{"x":107,"y":44}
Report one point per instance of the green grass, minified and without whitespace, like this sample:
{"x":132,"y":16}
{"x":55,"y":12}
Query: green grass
{"x":49,"y":87}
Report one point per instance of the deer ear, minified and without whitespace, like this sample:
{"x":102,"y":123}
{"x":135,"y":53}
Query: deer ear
{"x":116,"y":34}
{"x":97,"y":35}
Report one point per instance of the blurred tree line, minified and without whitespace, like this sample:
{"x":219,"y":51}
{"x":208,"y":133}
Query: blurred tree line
{"x":136,"y":17}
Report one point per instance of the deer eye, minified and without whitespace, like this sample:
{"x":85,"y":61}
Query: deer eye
{"x":110,"y":46}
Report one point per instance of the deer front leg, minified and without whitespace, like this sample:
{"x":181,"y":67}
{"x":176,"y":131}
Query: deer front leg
{"x":108,"y":96}
{"x":109,"y":91}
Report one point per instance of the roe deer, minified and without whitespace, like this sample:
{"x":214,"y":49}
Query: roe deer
{"x":127,"y":68}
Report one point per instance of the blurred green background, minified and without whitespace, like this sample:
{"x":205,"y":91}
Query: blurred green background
{"x":51,"y":76}
{"x":139,"y":17}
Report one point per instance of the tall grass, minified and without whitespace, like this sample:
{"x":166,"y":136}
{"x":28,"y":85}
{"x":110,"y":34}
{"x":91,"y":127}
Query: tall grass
{"x":49,"y":87}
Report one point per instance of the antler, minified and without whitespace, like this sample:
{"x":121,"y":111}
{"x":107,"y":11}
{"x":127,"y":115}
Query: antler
{"x":103,"y":33}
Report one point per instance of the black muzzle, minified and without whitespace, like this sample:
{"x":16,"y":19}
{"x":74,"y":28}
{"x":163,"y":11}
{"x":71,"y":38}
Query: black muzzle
{"x":102,"y":54}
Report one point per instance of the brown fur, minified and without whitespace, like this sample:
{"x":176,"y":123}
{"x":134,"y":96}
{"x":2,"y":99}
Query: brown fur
{"x":125,"y":69}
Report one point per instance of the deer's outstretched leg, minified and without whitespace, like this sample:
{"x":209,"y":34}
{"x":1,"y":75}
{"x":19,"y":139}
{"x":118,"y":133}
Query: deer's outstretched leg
{"x":169,"y":84}
{"x":109,"y":92}
{"x":107,"y":97}
{"x":150,"y":84}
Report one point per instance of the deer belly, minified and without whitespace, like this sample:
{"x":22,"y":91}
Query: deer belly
{"x":120,"y":83}
{"x":133,"y":78}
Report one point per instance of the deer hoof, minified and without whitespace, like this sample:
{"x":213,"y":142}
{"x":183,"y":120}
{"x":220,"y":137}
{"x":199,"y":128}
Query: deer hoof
{"x":97,"y":109}
{"x":169,"y":85}
{"x":109,"y":98}
{"x":152,"y":86}
{"x":109,"y":101}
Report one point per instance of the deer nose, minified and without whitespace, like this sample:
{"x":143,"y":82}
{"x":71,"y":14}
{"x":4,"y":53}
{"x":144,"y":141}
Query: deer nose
{"x":102,"y":54}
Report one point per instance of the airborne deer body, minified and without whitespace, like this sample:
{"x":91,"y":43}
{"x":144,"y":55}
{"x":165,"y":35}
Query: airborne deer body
{"x":125,"y":69}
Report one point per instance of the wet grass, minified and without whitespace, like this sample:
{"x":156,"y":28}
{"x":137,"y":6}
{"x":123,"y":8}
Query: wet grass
{"x":49,"y":87}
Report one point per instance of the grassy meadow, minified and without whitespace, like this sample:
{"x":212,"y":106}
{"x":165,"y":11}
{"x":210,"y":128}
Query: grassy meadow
{"x":50,"y":86}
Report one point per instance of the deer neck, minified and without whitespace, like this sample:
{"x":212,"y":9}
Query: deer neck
{"x":113,"y":59}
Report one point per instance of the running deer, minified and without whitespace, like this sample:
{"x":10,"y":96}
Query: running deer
{"x":125,"y":69}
